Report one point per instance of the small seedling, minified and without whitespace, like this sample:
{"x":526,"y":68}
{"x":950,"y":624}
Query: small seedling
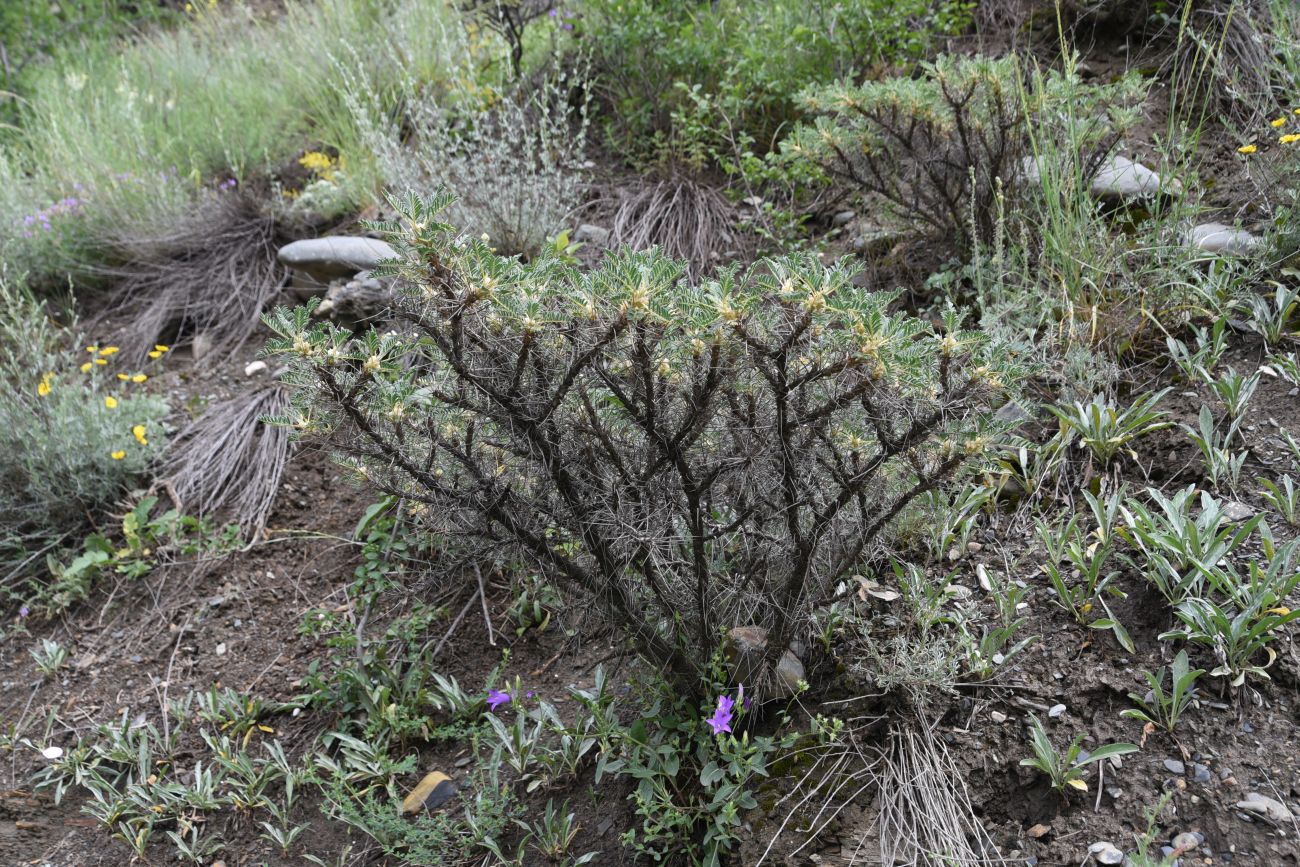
{"x":1163,"y":709}
{"x":1065,"y":770}
{"x":1285,"y":498}
{"x":49,"y":656}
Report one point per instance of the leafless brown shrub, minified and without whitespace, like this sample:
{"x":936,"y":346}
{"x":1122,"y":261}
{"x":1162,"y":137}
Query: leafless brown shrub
{"x":209,"y":273}
{"x":228,"y":461}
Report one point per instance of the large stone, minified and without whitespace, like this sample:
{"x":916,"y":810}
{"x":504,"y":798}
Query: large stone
{"x":745,"y":651}
{"x":1222,"y":239}
{"x":361,"y":299}
{"x":337,"y":256}
{"x":1122,"y":178}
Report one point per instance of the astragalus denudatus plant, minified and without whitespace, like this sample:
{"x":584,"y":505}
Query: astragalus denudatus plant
{"x":692,"y":459}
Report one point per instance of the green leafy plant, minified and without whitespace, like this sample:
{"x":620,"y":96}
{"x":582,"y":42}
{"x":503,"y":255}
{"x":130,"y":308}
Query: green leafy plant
{"x":1284,"y":498}
{"x":1239,"y":633}
{"x":534,"y":388}
{"x":1160,"y":708}
{"x":1089,"y":559}
{"x":1107,"y":430}
{"x":49,"y":656}
{"x":1234,"y":391}
{"x":1179,"y":547}
{"x":1222,"y":465}
{"x":1275,"y":317}
{"x":1201,"y":362}
{"x":1065,"y":770}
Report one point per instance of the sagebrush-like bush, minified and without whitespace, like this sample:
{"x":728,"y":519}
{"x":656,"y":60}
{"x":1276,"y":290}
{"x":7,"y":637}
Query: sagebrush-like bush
{"x":514,"y":161}
{"x":71,"y":448}
{"x":693,"y":459}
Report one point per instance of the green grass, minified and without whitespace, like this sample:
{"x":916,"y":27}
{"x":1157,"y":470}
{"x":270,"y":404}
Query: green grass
{"x":133,"y":132}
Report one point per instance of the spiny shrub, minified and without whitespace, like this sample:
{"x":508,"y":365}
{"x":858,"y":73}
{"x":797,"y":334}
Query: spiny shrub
{"x":693,"y":459}
{"x":944,"y":148}
{"x":78,"y":435}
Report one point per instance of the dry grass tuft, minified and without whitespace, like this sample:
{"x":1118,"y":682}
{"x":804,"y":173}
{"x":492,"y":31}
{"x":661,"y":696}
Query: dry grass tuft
{"x":685,"y":218}
{"x":926,"y":816}
{"x":208,"y":274}
{"x":229,"y":461}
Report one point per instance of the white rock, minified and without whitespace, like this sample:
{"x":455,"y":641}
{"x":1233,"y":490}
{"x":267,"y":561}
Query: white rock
{"x":998,"y":717}
{"x":336,"y":256}
{"x":1123,"y":178}
{"x":1220,"y":238}
{"x":52,"y":753}
{"x":201,"y":345}
{"x":253,"y":368}
{"x":1257,"y":803}
{"x":1106,"y":853}
{"x":1056,"y":710}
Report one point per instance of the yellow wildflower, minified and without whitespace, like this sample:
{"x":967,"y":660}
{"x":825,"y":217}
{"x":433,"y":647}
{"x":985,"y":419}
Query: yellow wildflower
{"x":117,"y":455}
{"x":85,"y":368}
{"x":1278,"y":122}
{"x":139,"y":377}
{"x":159,"y":347}
{"x":101,"y":361}
{"x":123,"y":377}
{"x":155,"y":354}
{"x":1247,"y":149}
{"x":110,"y":401}
{"x":92,"y":349}
{"x":44,"y":387}
{"x":138,"y":433}
{"x":108,"y":350}
{"x":1290,"y":138}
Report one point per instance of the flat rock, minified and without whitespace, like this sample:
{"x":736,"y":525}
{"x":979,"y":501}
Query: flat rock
{"x":1123,"y":178}
{"x":1223,"y":239}
{"x":1174,"y":766}
{"x":1266,"y":806}
{"x":335,"y":256}
{"x":1237,"y":512}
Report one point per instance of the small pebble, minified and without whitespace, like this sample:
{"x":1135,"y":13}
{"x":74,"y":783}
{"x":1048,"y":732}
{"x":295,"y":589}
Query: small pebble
{"x":1056,"y":710}
{"x":1175,"y":767}
{"x":998,"y":716}
{"x":1201,"y":774}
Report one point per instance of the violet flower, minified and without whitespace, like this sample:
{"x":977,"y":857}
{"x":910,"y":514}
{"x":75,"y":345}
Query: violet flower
{"x":496,"y":698}
{"x":721,"y":720}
